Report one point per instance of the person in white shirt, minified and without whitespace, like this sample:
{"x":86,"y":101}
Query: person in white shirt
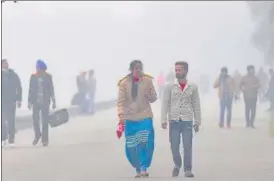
{"x":180,"y":104}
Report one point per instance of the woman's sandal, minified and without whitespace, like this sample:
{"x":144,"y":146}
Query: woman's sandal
{"x":145,"y":174}
{"x":138,"y":175}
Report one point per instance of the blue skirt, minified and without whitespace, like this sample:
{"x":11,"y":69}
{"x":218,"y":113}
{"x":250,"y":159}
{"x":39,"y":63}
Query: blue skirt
{"x":139,"y":143}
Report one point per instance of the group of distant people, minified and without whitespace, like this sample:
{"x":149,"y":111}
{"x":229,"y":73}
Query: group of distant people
{"x":40,"y":97}
{"x":252,"y":86}
{"x":86,"y":89}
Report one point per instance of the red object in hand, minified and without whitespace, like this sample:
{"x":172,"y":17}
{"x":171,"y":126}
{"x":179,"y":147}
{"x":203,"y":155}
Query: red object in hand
{"x":120,"y":130}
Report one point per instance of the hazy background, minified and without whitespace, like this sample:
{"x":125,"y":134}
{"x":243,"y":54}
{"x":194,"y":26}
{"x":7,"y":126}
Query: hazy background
{"x":106,"y":36}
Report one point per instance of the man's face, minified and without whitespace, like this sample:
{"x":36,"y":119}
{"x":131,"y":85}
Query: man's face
{"x":180,"y":72}
{"x":224,"y":73}
{"x":5,"y":65}
{"x":251,"y":71}
{"x":137,"y":70}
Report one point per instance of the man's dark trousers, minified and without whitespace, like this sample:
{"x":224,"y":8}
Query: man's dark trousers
{"x":250,"y":110}
{"x":225,"y":105}
{"x":184,"y":130}
{"x":8,"y":121}
{"x":44,"y":110}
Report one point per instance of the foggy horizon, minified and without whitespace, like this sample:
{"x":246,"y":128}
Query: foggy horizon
{"x":106,"y":36}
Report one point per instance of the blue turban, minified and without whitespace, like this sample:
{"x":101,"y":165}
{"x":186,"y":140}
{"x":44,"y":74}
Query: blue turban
{"x":41,"y":65}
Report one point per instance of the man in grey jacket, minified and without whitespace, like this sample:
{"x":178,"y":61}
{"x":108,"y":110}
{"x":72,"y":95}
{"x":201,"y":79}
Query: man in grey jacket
{"x":181,"y":102}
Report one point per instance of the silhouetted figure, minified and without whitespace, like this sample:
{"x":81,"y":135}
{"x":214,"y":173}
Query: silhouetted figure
{"x":250,"y":86}
{"x":91,"y":91}
{"x":225,"y":85}
{"x":11,"y":95}
{"x":82,"y":85}
{"x":41,"y":95}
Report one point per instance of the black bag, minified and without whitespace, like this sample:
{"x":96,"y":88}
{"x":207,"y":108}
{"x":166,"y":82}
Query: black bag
{"x":59,"y":117}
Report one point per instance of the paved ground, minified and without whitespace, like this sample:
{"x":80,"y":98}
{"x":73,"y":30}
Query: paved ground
{"x":87,"y":149}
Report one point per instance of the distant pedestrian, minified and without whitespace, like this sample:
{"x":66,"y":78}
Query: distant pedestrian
{"x":225,"y":86}
{"x":11,"y":97}
{"x":41,"y":96}
{"x":250,"y":86}
{"x":91,"y":91}
{"x":182,"y":111}
{"x":82,"y":85}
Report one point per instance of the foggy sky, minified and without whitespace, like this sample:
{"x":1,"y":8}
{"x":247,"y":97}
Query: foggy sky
{"x":106,"y":36}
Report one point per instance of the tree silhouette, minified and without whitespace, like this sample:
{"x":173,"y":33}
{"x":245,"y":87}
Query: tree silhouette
{"x":262,"y":12}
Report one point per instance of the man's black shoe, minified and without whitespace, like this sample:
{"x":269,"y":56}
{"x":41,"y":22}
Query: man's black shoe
{"x":175,"y":172}
{"x":35,"y":141}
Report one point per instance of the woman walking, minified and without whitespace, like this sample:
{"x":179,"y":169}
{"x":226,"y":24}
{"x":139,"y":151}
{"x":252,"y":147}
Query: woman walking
{"x":136,"y":93}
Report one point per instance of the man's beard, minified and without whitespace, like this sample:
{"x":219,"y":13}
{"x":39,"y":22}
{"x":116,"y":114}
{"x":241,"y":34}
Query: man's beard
{"x":180,"y":76}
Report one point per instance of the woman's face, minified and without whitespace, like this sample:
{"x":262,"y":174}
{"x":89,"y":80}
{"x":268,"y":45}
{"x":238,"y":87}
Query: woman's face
{"x":137,"y":70}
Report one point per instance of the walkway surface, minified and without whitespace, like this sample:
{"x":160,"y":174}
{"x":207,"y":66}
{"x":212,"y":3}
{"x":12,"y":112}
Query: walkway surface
{"x":87,"y":149}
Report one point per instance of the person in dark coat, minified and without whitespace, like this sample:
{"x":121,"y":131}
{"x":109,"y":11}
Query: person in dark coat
{"x":82,"y":85}
{"x":41,"y":95}
{"x":11,"y":97}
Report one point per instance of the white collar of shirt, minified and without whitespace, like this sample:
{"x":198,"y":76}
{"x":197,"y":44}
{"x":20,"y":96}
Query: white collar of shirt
{"x":176,"y":82}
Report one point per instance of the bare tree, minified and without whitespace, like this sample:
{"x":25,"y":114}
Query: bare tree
{"x":262,"y":12}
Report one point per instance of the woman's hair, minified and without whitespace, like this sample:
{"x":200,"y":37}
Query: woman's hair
{"x":134,"y":63}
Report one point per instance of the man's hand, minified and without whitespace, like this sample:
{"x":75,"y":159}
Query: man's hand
{"x":196,"y":127}
{"x":18,"y":104}
{"x":29,"y":106}
{"x":164,"y":125}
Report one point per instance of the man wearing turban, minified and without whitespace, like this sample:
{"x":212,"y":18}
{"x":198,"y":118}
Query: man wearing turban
{"x":41,"y":96}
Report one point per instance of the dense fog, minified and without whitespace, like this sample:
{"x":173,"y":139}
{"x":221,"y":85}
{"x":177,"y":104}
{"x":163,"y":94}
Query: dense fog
{"x":105,"y":36}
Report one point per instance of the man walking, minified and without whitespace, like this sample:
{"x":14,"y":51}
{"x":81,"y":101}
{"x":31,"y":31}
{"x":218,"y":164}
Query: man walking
{"x":41,"y":95}
{"x":180,"y":104}
{"x":225,"y":86}
{"x":250,"y":86}
{"x":82,"y":85}
{"x":11,"y":96}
